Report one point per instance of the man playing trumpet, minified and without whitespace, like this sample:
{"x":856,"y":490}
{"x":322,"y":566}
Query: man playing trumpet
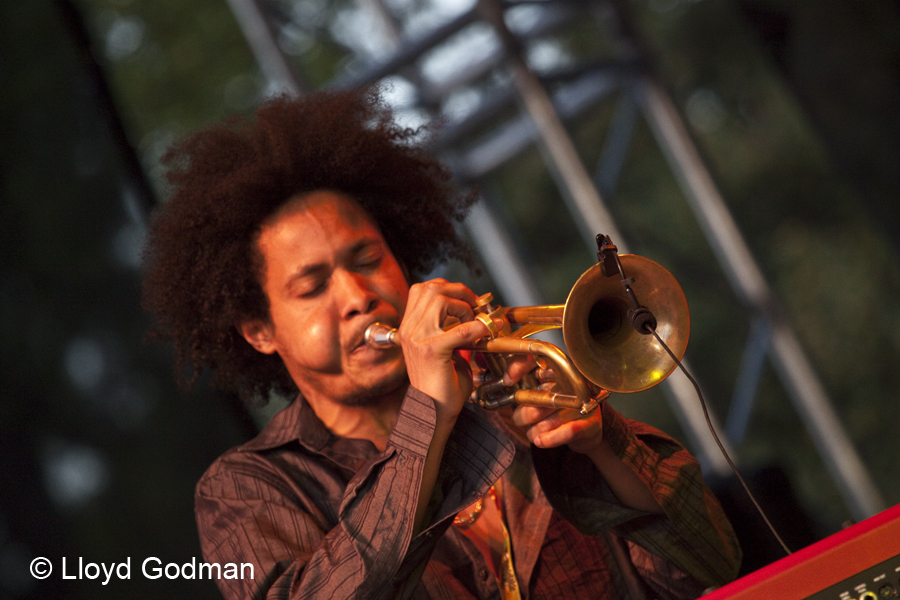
{"x":284,"y":239}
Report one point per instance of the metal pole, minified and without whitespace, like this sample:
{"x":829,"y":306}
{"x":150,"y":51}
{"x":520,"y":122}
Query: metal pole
{"x":593,"y":215}
{"x":810,"y":400}
{"x":500,"y":256}
{"x":489,"y":235}
{"x":278,"y":71}
{"x":564,"y":158}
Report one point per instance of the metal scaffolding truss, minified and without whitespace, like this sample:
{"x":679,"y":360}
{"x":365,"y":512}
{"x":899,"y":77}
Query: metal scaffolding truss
{"x":633,"y":85}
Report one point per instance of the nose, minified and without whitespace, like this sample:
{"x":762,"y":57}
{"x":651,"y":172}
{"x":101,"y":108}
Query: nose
{"x":354,"y":294}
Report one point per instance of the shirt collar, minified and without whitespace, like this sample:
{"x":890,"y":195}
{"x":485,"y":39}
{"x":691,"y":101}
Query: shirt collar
{"x":295,"y":422}
{"x":299,"y":423}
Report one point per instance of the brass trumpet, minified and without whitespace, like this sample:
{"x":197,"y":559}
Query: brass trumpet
{"x":604,"y":328}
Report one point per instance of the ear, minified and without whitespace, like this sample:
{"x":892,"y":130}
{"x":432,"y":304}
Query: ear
{"x":258,"y":334}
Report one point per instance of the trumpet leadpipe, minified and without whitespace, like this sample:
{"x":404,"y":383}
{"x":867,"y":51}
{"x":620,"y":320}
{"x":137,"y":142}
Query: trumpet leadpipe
{"x":379,"y":335}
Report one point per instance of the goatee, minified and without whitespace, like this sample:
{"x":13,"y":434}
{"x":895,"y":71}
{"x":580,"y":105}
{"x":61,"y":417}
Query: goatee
{"x":374,"y":396}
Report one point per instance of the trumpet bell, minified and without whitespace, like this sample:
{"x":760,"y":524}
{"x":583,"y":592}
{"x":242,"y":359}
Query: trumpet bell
{"x":600,"y":339}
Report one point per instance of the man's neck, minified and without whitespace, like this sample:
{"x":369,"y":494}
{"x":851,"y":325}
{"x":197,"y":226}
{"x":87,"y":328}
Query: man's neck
{"x":374,"y":421}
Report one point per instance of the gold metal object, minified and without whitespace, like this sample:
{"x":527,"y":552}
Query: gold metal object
{"x":493,"y":330}
{"x":471,"y":517}
{"x":600,"y":339}
{"x":604,"y":347}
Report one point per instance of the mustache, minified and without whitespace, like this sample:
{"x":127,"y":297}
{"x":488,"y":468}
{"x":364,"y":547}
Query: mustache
{"x":358,"y":337}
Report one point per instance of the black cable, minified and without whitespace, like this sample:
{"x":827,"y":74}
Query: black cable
{"x":644,"y":323}
{"x":719,"y":443}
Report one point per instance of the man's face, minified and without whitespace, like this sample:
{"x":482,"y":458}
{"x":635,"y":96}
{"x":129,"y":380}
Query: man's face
{"x":328,"y":274}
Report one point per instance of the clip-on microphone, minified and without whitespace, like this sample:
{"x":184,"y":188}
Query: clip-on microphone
{"x":641,"y":318}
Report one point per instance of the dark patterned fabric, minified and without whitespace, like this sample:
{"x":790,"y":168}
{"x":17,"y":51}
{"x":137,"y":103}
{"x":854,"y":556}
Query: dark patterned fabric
{"x":324,"y":517}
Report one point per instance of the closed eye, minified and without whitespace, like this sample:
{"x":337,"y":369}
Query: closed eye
{"x":369,"y":258}
{"x":313,"y":288}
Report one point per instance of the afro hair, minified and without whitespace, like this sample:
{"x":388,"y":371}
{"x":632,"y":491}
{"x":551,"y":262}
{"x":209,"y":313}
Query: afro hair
{"x":202,"y":266}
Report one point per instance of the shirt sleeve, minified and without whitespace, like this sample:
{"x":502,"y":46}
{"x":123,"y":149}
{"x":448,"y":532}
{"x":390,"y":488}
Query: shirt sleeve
{"x":251,"y":511}
{"x":693,"y":534}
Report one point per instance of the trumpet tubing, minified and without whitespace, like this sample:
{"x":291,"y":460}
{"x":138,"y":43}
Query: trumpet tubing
{"x":598,"y":331}
{"x":605,"y":342}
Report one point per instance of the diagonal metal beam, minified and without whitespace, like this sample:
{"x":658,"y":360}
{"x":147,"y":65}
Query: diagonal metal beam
{"x":809,"y":397}
{"x":262,"y":38}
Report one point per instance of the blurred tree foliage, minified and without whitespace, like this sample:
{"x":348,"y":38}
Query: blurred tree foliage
{"x":813,"y":208}
{"x":99,"y":451}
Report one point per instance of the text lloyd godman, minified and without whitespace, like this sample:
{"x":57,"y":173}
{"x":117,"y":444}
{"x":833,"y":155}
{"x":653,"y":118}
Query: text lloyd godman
{"x":153,"y":568}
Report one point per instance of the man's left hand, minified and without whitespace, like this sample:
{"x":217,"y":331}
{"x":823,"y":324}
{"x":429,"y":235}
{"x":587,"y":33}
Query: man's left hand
{"x":551,"y":427}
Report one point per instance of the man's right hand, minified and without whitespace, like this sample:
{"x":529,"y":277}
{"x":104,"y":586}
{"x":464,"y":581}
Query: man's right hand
{"x":432,"y":364}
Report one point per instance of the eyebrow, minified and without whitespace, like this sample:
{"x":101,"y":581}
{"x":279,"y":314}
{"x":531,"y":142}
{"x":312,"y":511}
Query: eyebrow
{"x":315,"y":268}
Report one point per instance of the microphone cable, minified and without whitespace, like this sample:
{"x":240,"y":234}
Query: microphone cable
{"x":718,"y":441}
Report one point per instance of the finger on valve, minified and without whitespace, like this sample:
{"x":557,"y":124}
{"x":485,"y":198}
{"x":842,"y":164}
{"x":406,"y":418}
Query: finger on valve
{"x":518,"y":368}
{"x":545,"y":375}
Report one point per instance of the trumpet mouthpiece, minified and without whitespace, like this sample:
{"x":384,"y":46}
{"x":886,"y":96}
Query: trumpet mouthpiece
{"x":381,"y":336}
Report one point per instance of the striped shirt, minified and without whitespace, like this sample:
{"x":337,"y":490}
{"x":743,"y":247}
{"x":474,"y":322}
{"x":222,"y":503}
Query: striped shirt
{"x":326,"y":517}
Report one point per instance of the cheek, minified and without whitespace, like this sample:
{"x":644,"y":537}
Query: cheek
{"x":310,"y":340}
{"x":400,"y":302}
{"x":318,"y":335}
{"x":395,"y":290}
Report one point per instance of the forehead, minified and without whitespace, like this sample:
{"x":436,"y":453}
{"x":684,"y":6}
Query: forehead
{"x":332,"y":208}
{"x":309,"y":227}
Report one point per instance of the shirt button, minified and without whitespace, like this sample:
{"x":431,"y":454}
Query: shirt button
{"x":483,"y":574}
